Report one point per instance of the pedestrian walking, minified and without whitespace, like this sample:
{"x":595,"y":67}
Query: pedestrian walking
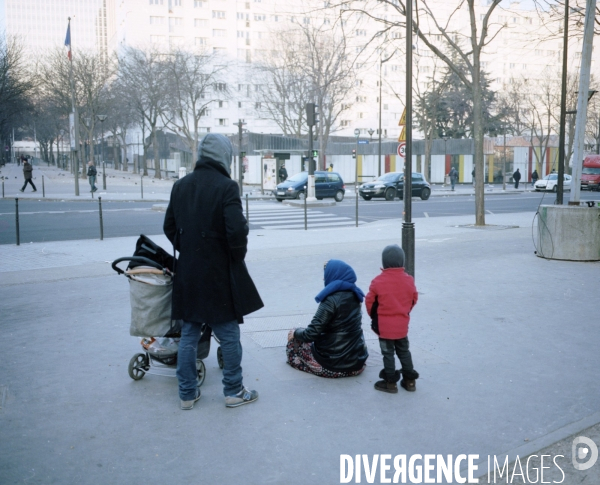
{"x":330,"y":169}
{"x":453,"y":177}
{"x":206,"y":224}
{"x":534,"y":177}
{"x":283,"y":175}
{"x":91,"y":174}
{"x":473,"y":175}
{"x":27,"y":174}
{"x":516,"y":178}
{"x":391,"y":297}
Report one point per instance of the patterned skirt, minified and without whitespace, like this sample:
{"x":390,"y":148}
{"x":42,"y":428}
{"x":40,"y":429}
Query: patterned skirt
{"x":300,"y":356}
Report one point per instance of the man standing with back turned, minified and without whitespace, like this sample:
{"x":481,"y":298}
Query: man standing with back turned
{"x":206,"y":224}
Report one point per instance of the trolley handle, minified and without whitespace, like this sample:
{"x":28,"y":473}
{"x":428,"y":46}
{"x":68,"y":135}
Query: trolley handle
{"x":141,"y":260}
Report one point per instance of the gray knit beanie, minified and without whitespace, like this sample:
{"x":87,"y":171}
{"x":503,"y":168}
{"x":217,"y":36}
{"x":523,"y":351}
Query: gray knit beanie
{"x":392,"y":257}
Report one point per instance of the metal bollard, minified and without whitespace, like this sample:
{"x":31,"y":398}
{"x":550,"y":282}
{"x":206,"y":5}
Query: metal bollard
{"x":103,"y":175}
{"x":17,"y":221}
{"x":305,"y":216}
{"x":142,"y":184}
{"x":3,"y":189}
{"x":101,"y":222}
{"x":43,"y":187}
{"x":247,"y":212}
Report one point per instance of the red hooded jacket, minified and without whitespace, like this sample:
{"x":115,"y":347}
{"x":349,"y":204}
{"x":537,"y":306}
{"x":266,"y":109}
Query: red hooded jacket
{"x":392,"y":295}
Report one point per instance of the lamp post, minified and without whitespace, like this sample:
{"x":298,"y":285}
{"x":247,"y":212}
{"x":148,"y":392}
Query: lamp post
{"x":381,"y":62}
{"x":101,"y":118}
{"x":408,"y":227}
{"x":504,"y":162}
{"x":357,"y":134}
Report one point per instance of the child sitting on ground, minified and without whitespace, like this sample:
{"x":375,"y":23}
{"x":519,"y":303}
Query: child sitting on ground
{"x":392,"y":295}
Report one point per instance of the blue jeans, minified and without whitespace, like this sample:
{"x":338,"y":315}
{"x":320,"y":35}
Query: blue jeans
{"x":92,"y":180}
{"x":228,"y":334}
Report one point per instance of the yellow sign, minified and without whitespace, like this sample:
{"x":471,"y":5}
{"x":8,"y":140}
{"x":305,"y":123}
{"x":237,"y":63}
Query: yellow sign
{"x":402,"y":118}
{"x":402,"y":136}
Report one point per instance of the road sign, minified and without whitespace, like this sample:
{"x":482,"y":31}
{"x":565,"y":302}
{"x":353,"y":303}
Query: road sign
{"x":401,"y":150}
{"x":402,"y":118}
{"x":363,"y":142}
{"x":402,"y":136}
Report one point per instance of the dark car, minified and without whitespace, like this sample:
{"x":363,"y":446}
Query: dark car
{"x":391,"y":185}
{"x":327,"y":184}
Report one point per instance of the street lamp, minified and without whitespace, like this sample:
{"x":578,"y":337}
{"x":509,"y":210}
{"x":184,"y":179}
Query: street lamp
{"x":381,"y":62}
{"x":101,"y":118}
{"x":370,"y":131}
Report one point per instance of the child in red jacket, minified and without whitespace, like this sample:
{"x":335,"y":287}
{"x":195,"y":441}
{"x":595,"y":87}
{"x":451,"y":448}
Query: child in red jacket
{"x":392,"y":295}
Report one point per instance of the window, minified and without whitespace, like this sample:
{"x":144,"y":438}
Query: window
{"x":361,"y":99}
{"x":219,"y":33}
{"x":396,"y":35}
{"x":274,"y":18}
{"x":326,"y":22}
{"x":361,"y":33}
{"x":306,"y":20}
{"x":220,"y":87}
{"x":345,"y":123}
{"x":222,"y":104}
{"x":200,"y":41}
{"x":260,"y":17}
{"x":222,"y":122}
{"x":174,"y":3}
{"x":239,"y":104}
{"x":198,"y":4}
{"x":156,"y":2}
{"x":346,"y":106}
{"x":333,"y":177}
{"x":360,"y":115}
{"x":200,"y":23}
{"x":512,"y":65}
{"x":205,"y":112}
{"x":175,"y":24}
{"x":157,"y":20}
{"x":257,"y":105}
{"x":425,"y":69}
{"x":218,"y":14}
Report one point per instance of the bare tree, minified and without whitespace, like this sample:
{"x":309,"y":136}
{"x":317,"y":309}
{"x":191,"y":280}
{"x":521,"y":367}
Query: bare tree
{"x":193,"y":77}
{"x":313,"y":64}
{"x":16,"y":87}
{"x":466,"y":45}
{"x":144,"y":77}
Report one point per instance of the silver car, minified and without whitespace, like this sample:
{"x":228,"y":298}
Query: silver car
{"x":550,"y":183}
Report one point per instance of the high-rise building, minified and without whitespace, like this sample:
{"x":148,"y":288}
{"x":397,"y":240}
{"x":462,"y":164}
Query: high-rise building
{"x":42,"y":24}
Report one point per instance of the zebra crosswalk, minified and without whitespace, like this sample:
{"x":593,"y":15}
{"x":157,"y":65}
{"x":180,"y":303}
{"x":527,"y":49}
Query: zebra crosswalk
{"x":283,"y":217}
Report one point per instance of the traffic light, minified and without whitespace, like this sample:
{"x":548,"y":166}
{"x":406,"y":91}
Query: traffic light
{"x":242,"y":155}
{"x":354,"y":153}
{"x":311,"y":114}
{"x":315,"y":153}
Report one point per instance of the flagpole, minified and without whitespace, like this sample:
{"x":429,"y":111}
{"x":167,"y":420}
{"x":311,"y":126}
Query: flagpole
{"x":74,"y":146}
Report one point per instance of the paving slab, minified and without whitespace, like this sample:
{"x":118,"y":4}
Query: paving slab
{"x":505,"y":342}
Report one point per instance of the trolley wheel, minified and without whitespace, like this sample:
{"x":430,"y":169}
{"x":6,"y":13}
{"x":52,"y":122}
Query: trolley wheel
{"x":138,"y":365}
{"x":220,"y":358}
{"x":201,"y":368}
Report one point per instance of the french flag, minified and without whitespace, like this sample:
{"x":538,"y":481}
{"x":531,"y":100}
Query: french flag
{"x":68,"y":40}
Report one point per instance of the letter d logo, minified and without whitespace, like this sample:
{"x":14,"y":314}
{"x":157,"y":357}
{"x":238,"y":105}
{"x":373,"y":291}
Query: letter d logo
{"x":583,"y":452}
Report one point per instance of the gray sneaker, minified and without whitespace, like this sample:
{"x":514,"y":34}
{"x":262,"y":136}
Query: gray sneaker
{"x":187,"y":405}
{"x":243,"y":397}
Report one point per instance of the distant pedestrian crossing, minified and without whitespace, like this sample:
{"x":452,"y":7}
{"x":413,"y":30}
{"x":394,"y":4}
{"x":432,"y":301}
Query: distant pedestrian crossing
{"x":283,"y":217}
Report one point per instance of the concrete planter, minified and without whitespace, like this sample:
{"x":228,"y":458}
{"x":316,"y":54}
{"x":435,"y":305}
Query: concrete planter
{"x":569,"y":233}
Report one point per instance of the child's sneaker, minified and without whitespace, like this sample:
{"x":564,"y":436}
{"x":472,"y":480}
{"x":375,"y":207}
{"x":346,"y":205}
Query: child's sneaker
{"x":386,"y":386}
{"x":243,"y":397}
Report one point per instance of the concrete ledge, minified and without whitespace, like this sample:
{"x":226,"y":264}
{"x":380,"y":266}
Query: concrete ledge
{"x":570,"y":233}
{"x":160,"y":207}
{"x":318,"y":203}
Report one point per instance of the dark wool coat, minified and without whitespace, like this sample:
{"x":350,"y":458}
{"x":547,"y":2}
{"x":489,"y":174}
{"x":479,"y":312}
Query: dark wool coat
{"x":205,"y":222}
{"x":27,"y":169}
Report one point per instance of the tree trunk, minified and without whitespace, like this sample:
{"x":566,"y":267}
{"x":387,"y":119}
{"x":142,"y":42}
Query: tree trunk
{"x":144,"y":167}
{"x":478,"y":142}
{"x":156,"y":154}
{"x":115,"y":154}
{"x":428,"y":147}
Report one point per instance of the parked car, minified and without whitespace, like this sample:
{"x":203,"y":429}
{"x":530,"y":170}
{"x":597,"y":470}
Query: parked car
{"x":550,"y":183}
{"x":590,"y":175}
{"x":327,"y":184}
{"x":391,"y":185}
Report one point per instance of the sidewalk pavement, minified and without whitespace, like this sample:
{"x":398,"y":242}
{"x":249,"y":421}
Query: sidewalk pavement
{"x":127,"y":186}
{"x":505,"y":343}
